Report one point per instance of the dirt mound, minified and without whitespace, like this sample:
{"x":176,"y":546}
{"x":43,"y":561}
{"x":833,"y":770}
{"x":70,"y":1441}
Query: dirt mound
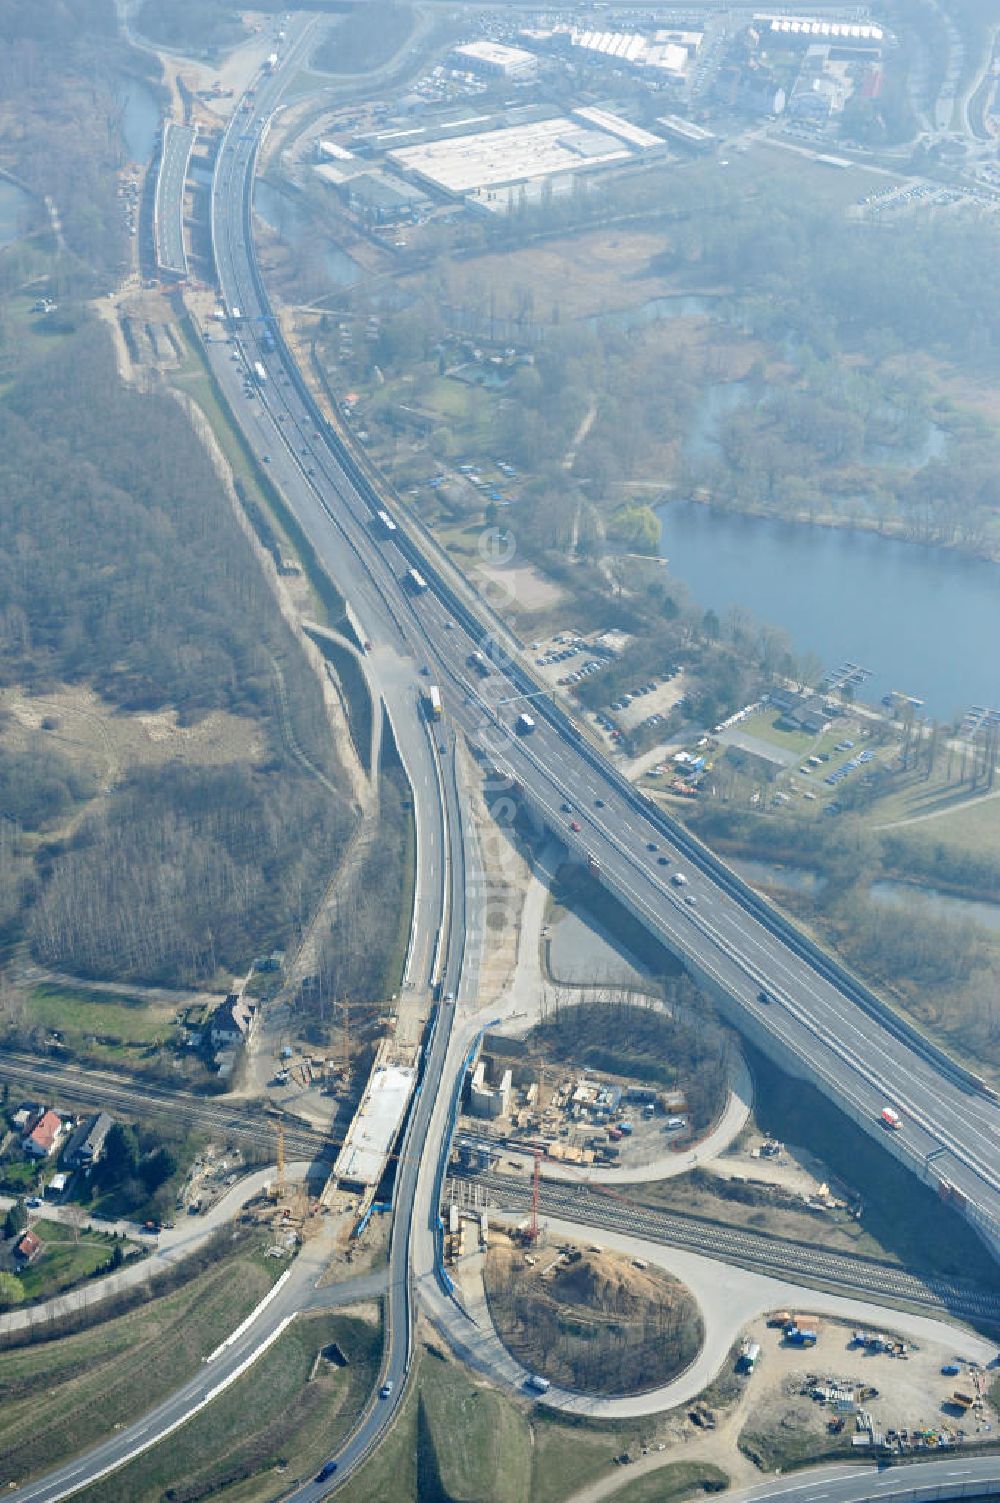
{"x":591,"y":1321}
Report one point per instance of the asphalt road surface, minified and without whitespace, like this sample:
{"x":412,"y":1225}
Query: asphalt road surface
{"x":862,"y":1059}
{"x":168,"y":217}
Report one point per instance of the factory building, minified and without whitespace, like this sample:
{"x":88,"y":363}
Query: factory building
{"x":526,"y":153}
{"x":494,"y":60}
{"x":685,"y":133}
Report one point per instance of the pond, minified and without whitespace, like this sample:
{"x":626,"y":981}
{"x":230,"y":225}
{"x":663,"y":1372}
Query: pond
{"x":884,"y":894}
{"x":141,"y":117}
{"x":680,"y":305}
{"x":924,"y":620}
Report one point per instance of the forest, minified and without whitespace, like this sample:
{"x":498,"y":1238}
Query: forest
{"x":122,"y":567}
{"x":61,"y":66}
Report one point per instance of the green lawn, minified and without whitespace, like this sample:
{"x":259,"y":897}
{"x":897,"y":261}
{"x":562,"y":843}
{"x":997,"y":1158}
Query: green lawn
{"x":273,"y":1427}
{"x":67,"y":1258}
{"x":455,"y":1439}
{"x":676,"y":1480}
{"x":111,"y":1373}
{"x":76,"y":1014}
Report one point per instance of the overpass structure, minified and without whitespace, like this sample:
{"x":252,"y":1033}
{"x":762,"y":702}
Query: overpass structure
{"x":793,"y":999}
{"x":817,"y":1020}
{"x":168,"y":204}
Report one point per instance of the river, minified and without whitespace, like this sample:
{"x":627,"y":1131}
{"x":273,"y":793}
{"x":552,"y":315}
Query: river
{"x":287,"y":219}
{"x":924,"y":620}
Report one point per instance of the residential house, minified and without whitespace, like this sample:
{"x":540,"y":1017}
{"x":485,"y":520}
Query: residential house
{"x":28,"y":1249}
{"x":41,"y":1141}
{"x":86,"y":1145}
{"x":234,"y":1021}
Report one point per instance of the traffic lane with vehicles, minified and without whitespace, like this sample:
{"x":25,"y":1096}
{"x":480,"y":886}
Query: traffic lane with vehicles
{"x":770,"y":953}
{"x":410,"y":1215}
{"x":389,"y":666}
{"x":973,"y":1175}
{"x":971,"y":1477}
{"x":813,"y":1015}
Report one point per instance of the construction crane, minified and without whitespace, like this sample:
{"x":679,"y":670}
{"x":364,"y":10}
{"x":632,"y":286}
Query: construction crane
{"x":345,"y":1035}
{"x":535,"y":1182}
{"x":279,"y":1183}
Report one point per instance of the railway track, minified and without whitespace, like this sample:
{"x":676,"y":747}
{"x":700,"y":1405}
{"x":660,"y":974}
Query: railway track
{"x":803,"y":1263}
{"x":107,"y":1092}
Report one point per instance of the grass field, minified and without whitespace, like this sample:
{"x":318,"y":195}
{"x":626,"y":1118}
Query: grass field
{"x":455,"y":1440}
{"x":111,"y":1373}
{"x":68,"y":1257}
{"x":668,"y":1484}
{"x":274,"y":1426}
{"x":75,"y":1014}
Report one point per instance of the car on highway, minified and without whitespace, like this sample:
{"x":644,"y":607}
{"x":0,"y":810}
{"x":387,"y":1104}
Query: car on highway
{"x":326,"y":1471}
{"x":679,"y":879}
{"x":567,"y":808}
{"x":662,"y":861}
{"x":690,"y":899}
{"x":651,"y":845}
{"x":598,"y":803}
{"x":386,"y":1389}
{"x":574,"y":825}
{"x":763,"y":996}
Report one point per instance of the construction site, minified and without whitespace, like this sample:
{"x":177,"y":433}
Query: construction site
{"x":520,"y":1104}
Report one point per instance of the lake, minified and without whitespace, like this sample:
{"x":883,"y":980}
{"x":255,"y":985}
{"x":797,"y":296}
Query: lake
{"x":924,"y":620}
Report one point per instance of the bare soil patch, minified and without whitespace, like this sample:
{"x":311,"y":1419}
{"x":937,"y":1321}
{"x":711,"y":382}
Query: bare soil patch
{"x":590,"y":1320}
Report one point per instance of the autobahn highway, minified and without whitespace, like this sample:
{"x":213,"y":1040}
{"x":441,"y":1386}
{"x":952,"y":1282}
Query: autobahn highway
{"x":728,"y":942}
{"x":817,"y":1018}
{"x":778,"y":1257}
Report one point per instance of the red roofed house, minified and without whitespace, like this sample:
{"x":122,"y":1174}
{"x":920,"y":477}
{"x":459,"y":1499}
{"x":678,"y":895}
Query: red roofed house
{"x":45,"y":1134}
{"x":27,"y":1249}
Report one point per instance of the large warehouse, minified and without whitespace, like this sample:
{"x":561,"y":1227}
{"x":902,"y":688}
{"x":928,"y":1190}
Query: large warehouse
{"x":494,"y":60}
{"x":525,"y":153}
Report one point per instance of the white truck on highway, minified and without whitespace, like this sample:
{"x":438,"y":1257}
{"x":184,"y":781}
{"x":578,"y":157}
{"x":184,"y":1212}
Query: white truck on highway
{"x":259,"y":373}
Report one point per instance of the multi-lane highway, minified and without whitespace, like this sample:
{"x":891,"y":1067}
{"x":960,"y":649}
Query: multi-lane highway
{"x":815,"y":1018}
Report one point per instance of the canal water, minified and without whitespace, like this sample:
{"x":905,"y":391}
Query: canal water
{"x":925,"y":621}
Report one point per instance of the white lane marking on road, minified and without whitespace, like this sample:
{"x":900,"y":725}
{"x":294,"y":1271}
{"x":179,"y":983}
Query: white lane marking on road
{"x":254,"y":1313}
{"x":176,"y":1424}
